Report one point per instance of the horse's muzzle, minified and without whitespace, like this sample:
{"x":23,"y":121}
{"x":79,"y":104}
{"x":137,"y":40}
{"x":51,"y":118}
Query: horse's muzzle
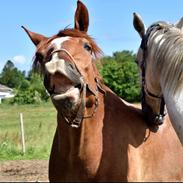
{"x":62,"y":80}
{"x":150,"y":117}
{"x":65,"y":68}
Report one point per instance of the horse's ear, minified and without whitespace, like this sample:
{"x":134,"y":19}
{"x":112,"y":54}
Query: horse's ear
{"x":36,"y":38}
{"x":138,"y":24}
{"x":81,"y":17}
{"x":180,"y":24}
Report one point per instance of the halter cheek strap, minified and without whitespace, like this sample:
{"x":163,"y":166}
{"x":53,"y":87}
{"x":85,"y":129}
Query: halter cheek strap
{"x":159,"y":116}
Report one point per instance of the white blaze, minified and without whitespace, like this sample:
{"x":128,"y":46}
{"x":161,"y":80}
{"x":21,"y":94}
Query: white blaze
{"x":57,"y":64}
{"x":59,"y":41}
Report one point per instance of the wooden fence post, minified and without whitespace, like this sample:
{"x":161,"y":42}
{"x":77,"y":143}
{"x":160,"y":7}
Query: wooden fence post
{"x":22,"y":133}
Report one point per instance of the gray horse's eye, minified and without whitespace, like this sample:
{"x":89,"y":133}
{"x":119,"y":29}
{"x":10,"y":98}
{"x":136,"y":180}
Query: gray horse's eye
{"x":87,"y":47}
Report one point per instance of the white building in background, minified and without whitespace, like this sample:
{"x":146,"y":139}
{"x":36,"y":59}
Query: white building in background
{"x":5,"y":92}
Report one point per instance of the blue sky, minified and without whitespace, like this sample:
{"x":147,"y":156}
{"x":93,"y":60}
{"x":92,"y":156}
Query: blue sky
{"x":110,"y":23}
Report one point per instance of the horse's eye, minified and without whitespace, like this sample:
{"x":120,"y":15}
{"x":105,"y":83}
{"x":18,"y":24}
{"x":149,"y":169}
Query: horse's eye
{"x":88,"y":47}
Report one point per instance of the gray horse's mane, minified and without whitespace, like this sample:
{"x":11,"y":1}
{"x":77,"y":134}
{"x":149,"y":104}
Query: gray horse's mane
{"x":165,"y":47}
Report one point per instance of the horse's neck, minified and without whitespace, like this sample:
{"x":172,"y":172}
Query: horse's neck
{"x":77,"y":139}
{"x":114,"y":126}
{"x":89,"y":134}
{"x":174,"y":105}
{"x":111,"y":114}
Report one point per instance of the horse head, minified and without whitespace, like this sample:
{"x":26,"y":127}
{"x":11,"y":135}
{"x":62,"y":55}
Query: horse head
{"x":152,"y":98}
{"x":160,"y":60}
{"x":66,"y":62}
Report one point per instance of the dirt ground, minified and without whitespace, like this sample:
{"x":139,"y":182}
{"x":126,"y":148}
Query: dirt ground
{"x":24,"y":171}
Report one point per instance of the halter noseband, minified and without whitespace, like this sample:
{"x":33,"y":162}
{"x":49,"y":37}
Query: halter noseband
{"x":159,"y":117}
{"x":76,"y":122}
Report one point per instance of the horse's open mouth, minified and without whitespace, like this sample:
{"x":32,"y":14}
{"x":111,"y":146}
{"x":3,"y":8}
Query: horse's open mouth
{"x":72,"y":93}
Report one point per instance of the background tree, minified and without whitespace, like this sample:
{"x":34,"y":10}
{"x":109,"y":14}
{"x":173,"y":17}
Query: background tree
{"x":121,"y":74}
{"x":32,"y":91}
{"x":28,"y":90}
{"x":11,"y":76}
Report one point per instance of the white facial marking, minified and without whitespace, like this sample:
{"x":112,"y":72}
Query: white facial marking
{"x":57,"y":64}
{"x":59,"y":41}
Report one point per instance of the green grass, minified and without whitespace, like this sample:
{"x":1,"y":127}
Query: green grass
{"x":39,"y":127}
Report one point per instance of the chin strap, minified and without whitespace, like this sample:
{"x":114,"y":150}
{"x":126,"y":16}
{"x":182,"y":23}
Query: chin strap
{"x":80,"y":115}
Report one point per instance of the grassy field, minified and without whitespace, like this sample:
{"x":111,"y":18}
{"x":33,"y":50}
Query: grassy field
{"x":39,"y":127}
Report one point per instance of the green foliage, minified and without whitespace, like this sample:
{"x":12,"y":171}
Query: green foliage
{"x":29,"y":96}
{"x":28,"y":90}
{"x":11,"y":76}
{"x":36,"y":84}
{"x":120,"y":73}
{"x":31,"y":91}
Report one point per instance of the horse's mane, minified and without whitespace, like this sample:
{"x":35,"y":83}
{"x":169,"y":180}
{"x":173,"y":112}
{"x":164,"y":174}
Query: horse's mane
{"x":166,"y":49}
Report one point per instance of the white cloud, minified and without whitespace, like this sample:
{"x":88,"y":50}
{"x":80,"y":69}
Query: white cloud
{"x":19,"y":59}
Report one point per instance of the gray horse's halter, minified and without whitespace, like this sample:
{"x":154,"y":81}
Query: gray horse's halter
{"x":76,"y":122}
{"x":159,"y":117}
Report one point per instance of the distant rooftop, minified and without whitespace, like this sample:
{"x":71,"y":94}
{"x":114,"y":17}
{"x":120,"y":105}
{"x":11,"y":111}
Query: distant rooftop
{"x":4,"y":88}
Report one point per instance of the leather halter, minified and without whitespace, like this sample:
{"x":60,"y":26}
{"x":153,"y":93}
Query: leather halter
{"x":76,"y":122}
{"x":159,"y":117}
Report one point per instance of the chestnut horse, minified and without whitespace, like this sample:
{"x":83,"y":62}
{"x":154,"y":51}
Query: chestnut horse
{"x":99,"y":137}
{"x":160,"y":58}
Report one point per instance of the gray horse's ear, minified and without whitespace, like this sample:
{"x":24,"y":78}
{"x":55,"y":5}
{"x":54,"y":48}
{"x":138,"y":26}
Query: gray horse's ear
{"x":35,"y":37}
{"x":180,"y":24}
{"x":81,"y":17}
{"x":138,"y":24}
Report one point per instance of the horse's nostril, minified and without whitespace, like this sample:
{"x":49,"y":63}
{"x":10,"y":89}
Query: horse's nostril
{"x":78,"y":86}
{"x":51,"y":90}
{"x":49,"y":58}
